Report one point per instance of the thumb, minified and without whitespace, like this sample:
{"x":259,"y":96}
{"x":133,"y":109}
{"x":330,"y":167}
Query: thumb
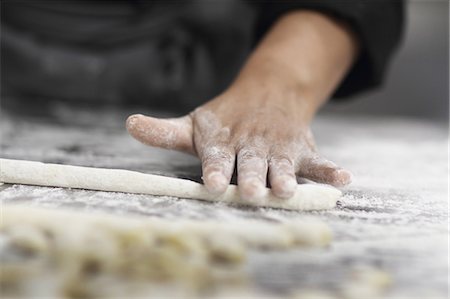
{"x":171,"y":133}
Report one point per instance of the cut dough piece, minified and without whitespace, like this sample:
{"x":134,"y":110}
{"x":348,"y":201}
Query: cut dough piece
{"x":306,"y":197}
{"x":73,"y":253}
{"x":364,"y":282}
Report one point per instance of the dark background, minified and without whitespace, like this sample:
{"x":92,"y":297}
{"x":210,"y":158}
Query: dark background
{"x":418,"y":79}
{"x":417,"y":82}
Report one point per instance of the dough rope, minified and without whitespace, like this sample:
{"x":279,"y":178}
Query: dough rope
{"x":306,"y":197}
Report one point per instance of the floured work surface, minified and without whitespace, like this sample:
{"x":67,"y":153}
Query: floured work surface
{"x":392,"y":218}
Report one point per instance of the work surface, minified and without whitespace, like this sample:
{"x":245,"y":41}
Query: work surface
{"x":393,"y":217}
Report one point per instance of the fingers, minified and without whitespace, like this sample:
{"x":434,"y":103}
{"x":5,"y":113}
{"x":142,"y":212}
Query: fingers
{"x":217,"y":152}
{"x":174,"y":133}
{"x":324,"y":171}
{"x":217,"y":168}
{"x":252,"y":173}
{"x":282,"y":177}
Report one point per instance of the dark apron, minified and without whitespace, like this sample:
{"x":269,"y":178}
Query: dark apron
{"x":167,"y":54}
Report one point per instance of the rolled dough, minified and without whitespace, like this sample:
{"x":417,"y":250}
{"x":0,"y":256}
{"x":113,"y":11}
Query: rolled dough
{"x":306,"y":197}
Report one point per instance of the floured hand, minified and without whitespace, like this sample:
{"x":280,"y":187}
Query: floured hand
{"x":263,"y":141}
{"x":260,"y":125}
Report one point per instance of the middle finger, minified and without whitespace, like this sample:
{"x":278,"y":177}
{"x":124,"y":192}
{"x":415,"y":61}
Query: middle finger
{"x":252,"y":173}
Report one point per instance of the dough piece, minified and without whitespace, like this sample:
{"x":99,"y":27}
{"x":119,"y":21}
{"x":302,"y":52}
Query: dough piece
{"x":366,"y":282}
{"x":306,"y":197}
{"x":73,"y":253}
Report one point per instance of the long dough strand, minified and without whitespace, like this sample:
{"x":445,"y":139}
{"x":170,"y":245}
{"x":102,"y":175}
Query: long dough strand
{"x":306,"y":197}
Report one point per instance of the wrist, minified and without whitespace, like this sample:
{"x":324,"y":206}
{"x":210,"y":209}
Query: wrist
{"x":305,"y":54}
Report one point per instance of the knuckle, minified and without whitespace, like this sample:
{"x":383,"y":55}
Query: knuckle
{"x":322,"y":162}
{"x":251,"y":165}
{"x":281,"y":160}
{"x":281,"y":166}
{"x":216,"y":154}
{"x":251,"y":153}
{"x":249,"y":175}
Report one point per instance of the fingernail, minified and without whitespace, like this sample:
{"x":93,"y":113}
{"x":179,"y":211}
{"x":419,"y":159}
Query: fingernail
{"x":345,"y":177}
{"x":285,"y":187}
{"x":253,"y":190}
{"x":132,"y":119}
{"x":216,"y":182}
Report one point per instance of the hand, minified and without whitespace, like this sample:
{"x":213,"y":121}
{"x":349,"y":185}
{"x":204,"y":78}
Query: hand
{"x":261,"y":122}
{"x":265,"y":138}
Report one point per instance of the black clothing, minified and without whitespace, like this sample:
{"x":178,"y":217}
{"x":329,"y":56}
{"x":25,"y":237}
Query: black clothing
{"x":174,"y":53}
{"x":377,"y":23}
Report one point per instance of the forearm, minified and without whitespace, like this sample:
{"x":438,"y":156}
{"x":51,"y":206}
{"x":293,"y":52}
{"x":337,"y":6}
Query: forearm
{"x":305,"y":52}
